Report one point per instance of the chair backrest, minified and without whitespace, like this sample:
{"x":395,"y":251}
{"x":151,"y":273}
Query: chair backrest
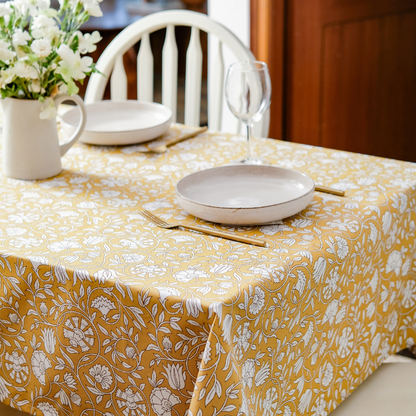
{"x":111,"y":61}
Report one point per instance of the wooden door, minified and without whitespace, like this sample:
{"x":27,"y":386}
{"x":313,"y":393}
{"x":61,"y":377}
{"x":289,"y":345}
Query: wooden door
{"x":349,"y":78}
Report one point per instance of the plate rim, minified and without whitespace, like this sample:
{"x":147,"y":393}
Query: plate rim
{"x":116,"y":103}
{"x":246,"y":208}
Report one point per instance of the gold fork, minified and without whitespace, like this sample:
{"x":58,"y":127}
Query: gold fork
{"x":163,"y":224}
{"x":164,"y":147}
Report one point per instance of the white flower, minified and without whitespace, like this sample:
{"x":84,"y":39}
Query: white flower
{"x":193,"y":306}
{"x":44,"y":27}
{"x":103,"y":276}
{"x":41,"y":47}
{"x":87,"y":41}
{"x":247,"y":373}
{"x":32,"y":6}
{"x":131,"y":401}
{"x":345,"y":342}
{"x":20,"y":38}
{"x":92,"y":7}
{"x":263,"y":374}
{"x":103,"y":304}
{"x":328,"y":375}
{"x":23,"y":70}
{"x":79,"y":333}
{"x":40,"y":363}
{"x":176,"y":376}
{"x":269,"y":403}
{"x":342,"y":247}
{"x":49,"y":340}
{"x":5,"y":9}
{"x":162,"y":401}
{"x":394,"y":262}
{"x":101,"y":375}
{"x":47,"y":409}
{"x":6,"y":76}
{"x":258,"y":301}
{"x":242,"y":341}
{"x":72,"y":65}
{"x":5,"y":53}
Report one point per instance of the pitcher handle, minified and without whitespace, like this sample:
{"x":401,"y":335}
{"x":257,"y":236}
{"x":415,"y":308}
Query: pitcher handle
{"x":77,"y":100}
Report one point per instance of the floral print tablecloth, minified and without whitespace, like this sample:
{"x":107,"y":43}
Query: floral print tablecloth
{"x":104,"y":314}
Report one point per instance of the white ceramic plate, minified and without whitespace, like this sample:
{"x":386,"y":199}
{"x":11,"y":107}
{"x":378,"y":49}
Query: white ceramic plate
{"x":245,"y":194}
{"x":120,"y":122}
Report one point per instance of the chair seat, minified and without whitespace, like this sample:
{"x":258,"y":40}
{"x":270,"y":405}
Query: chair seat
{"x":389,"y":391}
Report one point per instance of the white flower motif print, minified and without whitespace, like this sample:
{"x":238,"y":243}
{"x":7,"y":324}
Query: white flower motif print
{"x":331,"y":312}
{"x":319,"y":407}
{"x":386,"y":221}
{"x":4,"y":391}
{"x":189,"y":274}
{"x":392,"y":322}
{"x":152,"y":270}
{"x":247,"y":373}
{"x":269,"y":404}
{"x":361,"y":356}
{"x":409,"y":294}
{"x":277,"y":274}
{"x":103,"y":304}
{"x":175,"y":375}
{"x":13,"y":232}
{"x":342,"y":247}
{"x":47,"y":409}
{"x":49,"y":340}
{"x":70,"y":381}
{"x":206,"y":356}
{"x":165,"y":291}
{"x":373,"y":234}
{"x":327,"y":375}
{"x":16,"y":366}
{"x":193,"y":306}
{"x":394,"y":262}
{"x":131,"y":403}
{"x":319,"y":269}
{"x":133,"y":258}
{"x":345,"y":225}
{"x":331,"y":283}
{"x":345,"y":342}
{"x":258,"y":301}
{"x":101,"y":375}
{"x":263,"y":374}
{"x":79,"y":333}
{"x":300,"y":223}
{"x":103,"y":276}
{"x":63,"y":245}
{"x":40,"y":364}
{"x":163,"y":400}
{"x":242,"y":340}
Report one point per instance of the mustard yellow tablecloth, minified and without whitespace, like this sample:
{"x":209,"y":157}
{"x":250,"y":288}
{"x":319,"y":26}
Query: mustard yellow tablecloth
{"x":102,"y":313}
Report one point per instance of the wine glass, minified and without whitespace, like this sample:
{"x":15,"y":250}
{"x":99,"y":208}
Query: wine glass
{"x":248,"y":90}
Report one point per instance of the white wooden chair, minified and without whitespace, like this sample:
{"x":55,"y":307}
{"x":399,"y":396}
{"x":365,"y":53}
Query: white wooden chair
{"x":111,"y":60}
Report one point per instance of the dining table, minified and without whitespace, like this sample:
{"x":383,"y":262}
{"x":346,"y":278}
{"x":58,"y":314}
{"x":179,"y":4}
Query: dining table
{"x":103,"y":313}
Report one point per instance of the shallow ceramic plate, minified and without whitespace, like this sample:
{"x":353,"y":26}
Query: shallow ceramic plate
{"x":244,"y":194}
{"x":120,"y":122}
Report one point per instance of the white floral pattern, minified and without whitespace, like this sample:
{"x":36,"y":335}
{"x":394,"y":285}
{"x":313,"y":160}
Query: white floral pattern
{"x":103,"y":310}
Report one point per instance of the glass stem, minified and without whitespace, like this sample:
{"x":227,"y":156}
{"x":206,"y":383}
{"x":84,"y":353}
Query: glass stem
{"x":249,"y":150}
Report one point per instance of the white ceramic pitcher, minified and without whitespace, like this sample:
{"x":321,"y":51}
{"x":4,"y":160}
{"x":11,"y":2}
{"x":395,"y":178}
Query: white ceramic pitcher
{"x":30,"y":145}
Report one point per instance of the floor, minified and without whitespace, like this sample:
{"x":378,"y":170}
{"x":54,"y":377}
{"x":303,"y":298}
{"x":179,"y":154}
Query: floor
{"x":404,"y":356}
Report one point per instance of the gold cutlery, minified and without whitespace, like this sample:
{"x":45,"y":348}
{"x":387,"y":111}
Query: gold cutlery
{"x":328,"y":190}
{"x":230,"y":236}
{"x":163,"y":147}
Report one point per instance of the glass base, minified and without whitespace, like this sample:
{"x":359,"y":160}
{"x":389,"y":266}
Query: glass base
{"x":251,"y":161}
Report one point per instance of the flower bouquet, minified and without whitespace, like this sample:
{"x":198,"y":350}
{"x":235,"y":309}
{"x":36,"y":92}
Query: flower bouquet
{"x":41,"y":49}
